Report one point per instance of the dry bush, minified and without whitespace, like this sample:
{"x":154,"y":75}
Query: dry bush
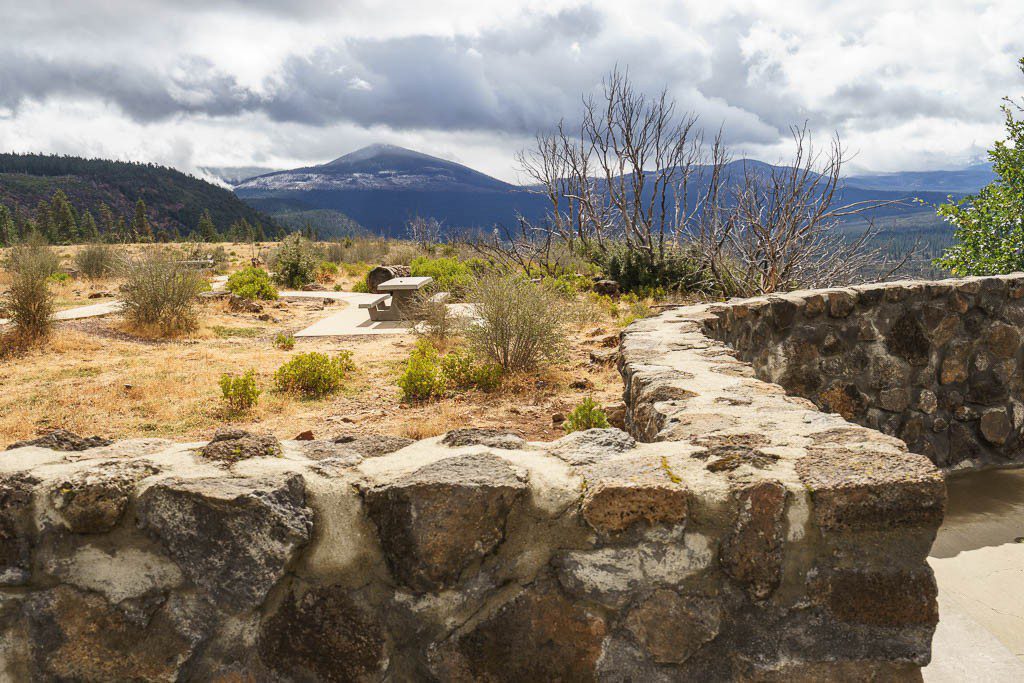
{"x":161,"y":296}
{"x":520,"y":324}
{"x":29,"y":302}
{"x":96,"y":261}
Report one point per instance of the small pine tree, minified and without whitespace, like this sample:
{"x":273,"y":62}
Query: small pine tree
{"x":44,"y":222}
{"x":8,"y":233}
{"x":65,"y":226}
{"x":207,"y":230}
{"x":87,"y":228}
{"x":107,"y":224}
{"x":140,"y":223}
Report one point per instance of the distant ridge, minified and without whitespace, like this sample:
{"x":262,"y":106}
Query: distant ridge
{"x":382,"y":186}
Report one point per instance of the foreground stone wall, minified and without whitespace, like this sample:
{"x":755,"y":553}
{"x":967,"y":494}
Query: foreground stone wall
{"x":744,"y":535}
{"x":937,"y":364}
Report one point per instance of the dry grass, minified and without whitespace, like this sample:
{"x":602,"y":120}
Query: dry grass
{"x":93,"y":377}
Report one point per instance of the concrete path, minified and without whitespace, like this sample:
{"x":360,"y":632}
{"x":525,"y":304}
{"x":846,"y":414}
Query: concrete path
{"x":980,"y":636}
{"x":90,"y":311}
{"x":350,"y":320}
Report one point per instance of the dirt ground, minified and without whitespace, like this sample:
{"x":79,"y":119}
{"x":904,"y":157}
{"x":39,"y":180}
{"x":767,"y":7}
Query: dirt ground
{"x":94,"y":377}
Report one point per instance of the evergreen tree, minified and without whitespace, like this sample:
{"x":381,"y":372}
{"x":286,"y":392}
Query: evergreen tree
{"x":258,"y":234}
{"x":8,"y":233}
{"x":87,"y":228}
{"x":106,"y":224}
{"x":44,"y":222}
{"x":207,"y":230}
{"x":141,"y":229}
{"x":65,"y":227}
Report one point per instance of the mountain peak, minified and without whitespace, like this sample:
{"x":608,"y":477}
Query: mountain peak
{"x":377,"y":151}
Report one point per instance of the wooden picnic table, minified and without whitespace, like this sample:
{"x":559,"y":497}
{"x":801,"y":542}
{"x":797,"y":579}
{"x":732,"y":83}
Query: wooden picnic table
{"x":402,"y":292}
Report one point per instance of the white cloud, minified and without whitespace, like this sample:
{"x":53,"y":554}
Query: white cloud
{"x":195,"y":83}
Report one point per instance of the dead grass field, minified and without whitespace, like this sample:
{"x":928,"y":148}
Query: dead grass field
{"x":94,"y":377}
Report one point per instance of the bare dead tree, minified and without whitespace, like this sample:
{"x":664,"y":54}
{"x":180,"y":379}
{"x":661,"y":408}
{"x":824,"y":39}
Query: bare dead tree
{"x":426,"y":232}
{"x":527,"y":248}
{"x":786,"y":226}
{"x":624,"y":177}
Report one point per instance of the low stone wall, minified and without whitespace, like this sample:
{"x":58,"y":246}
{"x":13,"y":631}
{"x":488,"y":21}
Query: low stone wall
{"x":937,"y":364}
{"x":745,"y":534}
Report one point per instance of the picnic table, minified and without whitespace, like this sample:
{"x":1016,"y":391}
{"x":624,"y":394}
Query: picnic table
{"x":402,"y":292}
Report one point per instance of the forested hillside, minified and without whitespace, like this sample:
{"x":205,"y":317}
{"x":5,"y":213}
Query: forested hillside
{"x":71,"y":199}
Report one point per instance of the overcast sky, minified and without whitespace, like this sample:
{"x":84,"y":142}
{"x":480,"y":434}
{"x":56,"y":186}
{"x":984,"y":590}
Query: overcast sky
{"x":908,"y":84}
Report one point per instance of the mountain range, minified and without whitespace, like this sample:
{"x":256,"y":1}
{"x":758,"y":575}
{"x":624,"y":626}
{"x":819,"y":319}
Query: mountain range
{"x":381,"y":187}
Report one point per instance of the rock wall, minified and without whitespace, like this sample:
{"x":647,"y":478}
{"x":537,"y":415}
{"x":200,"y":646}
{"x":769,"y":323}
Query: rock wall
{"x":745,"y":534}
{"x":937,"y":364}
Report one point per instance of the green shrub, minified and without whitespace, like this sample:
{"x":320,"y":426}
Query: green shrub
{"x":96,"y":261}
{"x":326,"y":271}
{"x":285,"y":342}
{"x":161,"y":295}
{"x":636,"y":271}
{"x":252,"y":283}
{"x":450,"y":274}
{"x":462,"y":371}
{"x":240,"y":391}
{"x":60,"y":277}
{"x":361,"y":287}
{"x":519,"y":324}
{"x":296,"y":261}
{"x":587,"y":415}
{"x":314,"y":374}
{"x":422,"y":378}
{"x":29,"y":301}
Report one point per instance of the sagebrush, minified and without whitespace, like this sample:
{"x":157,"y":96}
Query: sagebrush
{"x":240,"y":392}
{"x":161,"y":295}
{"x":520,"y":324}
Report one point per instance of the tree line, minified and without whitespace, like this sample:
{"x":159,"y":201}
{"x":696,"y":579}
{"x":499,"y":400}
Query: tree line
{"x":60,"y":222}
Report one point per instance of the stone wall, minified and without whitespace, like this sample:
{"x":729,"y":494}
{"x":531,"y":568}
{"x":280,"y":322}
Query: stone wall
{"x":937,"y":364}
{"x":745,"y":535}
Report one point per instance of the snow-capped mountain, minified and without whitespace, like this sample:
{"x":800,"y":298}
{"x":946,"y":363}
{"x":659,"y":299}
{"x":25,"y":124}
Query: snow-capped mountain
{"x":383,"y":186}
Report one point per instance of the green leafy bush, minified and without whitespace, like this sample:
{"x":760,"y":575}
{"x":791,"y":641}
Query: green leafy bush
{"x":96,"y":261}
{"x":296,"y":261}
{"x":587,"y":415}
{"x":361,"y":287}
{"x":450,"y":274}
{"x":252,"y":283}
{"x":314,"y":374}
{"x":326,"y":271}
{"x":240,"y":391}
{"x":60,"y":277}
{"x":285,"y":342}
{"x":462,"y":371}
{"x":422,"y":378}
{"x":161,"y":295}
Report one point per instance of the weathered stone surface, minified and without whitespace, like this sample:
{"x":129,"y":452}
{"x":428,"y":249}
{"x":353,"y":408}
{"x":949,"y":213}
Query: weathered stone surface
{"x":17,"y":528}
{"x":908,"y":340}
{"x":752,"y":554}
{"x":845,"y":399}
{"x":493,"y":438}
{"x":372,"y":445}
{"x":591,"y":445}
{"x":232,"y":537}
{"x":439,"y":520}
{"x":323,"y":635}
{"x":78,"y":636}
{"x":338,"y":454}
{"x":996,"y":426}
{"x":94,"y":501}
{"x":881,"y":598}
{"x":630,"y":491}
{"x":672,"y":627}
{"x":63,"y":440}
{"x":539,"y":635}
{"x":232,"y":445}
{"x":872,"y":490}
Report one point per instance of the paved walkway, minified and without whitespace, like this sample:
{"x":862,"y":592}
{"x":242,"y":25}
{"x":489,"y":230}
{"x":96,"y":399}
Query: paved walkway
{"x":350,"y":320}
